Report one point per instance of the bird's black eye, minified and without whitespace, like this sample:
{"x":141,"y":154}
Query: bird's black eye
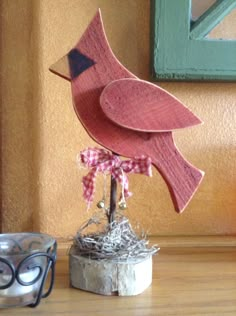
{"x":78,"y":63}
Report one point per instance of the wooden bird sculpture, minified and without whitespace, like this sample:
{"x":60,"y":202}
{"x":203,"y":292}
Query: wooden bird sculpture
{"x":130,"y":117}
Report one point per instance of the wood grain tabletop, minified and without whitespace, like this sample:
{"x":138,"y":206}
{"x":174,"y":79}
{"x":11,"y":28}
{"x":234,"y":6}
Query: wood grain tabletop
{"x":187,"y":280}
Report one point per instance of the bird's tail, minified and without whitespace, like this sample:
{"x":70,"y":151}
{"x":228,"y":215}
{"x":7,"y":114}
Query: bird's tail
{"x":181,"y":177}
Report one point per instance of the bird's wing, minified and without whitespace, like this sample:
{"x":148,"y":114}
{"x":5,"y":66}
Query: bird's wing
{"x":142,"y":106}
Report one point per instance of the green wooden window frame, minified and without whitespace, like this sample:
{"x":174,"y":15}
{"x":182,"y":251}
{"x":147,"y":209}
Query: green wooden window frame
{"x":180,"y":49}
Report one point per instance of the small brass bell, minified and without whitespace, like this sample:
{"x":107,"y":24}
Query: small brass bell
{"x":122,"y":205}
{"x":101,"y":204}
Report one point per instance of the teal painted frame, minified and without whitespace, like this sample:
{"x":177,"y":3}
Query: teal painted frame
{"x":180,"y":51}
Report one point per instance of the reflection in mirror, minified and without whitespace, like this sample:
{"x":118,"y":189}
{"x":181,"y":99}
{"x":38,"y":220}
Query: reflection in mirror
{"x":224,"y":29}
{"x":199,"y":7}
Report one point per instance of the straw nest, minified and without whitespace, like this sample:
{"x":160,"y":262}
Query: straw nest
{"x":116,"y":241}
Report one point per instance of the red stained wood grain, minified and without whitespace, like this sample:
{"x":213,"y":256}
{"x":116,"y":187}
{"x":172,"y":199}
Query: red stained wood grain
{"x":181,"y":177}
{"x":143,"y":106}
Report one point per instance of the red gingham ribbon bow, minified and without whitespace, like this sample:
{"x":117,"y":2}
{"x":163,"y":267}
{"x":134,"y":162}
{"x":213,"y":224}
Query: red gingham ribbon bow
{"x":104,"y":161}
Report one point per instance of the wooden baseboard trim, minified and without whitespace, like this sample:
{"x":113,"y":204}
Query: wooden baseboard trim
{"x":174,"y":242}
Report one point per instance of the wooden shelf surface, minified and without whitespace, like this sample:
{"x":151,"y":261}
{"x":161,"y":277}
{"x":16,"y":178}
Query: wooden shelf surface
{"x":187,"y":280}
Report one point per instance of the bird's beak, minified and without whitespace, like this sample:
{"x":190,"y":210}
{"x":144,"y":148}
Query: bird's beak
{"x":61,"y":68}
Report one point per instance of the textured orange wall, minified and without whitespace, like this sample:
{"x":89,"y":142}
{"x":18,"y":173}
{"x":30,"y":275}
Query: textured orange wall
{"x":18,"y":130}
{"x":42,"y":136}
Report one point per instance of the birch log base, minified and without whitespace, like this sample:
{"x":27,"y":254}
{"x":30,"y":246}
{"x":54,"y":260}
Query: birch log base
{"x":109,"y":277}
